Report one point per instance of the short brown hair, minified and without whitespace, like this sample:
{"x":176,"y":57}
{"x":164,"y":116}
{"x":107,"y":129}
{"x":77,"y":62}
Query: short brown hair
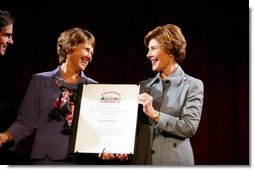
{"x":171,"y":38}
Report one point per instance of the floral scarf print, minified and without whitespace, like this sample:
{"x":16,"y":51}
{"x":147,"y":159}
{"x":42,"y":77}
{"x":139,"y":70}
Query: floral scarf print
{"x":63,"y":107}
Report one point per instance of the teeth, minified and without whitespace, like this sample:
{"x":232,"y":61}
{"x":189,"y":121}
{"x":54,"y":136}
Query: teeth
{"x":153,"y":61}
{"x":85,"y":60}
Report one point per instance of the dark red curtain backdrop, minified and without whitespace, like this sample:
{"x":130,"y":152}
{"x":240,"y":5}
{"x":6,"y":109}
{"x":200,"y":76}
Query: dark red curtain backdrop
{"x":217,"y":32}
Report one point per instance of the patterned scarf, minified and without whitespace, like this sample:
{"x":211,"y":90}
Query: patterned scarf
{"x":63,"y":107}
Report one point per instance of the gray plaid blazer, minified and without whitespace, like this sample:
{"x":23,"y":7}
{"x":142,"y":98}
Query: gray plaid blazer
{"x":179,"y":99}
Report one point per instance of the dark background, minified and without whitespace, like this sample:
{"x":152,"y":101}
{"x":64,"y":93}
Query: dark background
{"x":217,"y":33}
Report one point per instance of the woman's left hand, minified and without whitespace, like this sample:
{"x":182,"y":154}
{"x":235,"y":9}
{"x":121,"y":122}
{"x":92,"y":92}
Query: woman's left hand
{"x":105,"y":155}
{"x":147,"y":101}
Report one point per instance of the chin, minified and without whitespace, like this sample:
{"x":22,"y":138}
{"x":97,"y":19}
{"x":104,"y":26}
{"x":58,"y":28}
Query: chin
{"x":154,"y":68}
{"x":82,"y":68}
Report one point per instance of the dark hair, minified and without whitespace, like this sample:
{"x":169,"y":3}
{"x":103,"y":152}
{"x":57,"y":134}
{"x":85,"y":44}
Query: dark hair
{"x":5,"y":18}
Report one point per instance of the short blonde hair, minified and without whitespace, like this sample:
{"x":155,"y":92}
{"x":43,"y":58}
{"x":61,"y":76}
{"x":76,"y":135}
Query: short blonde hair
{"x":69,"y":40}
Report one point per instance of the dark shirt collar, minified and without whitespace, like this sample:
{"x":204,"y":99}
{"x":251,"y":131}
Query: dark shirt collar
{"x":56,"y":74}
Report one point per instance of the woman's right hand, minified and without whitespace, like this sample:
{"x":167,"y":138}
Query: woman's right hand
{"x":3,"y":139}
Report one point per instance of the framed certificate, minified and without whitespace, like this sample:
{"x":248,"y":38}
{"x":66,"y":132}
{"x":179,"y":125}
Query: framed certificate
{"x":105,"y":118}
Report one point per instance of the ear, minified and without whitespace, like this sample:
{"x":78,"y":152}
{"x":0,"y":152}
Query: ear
{"x":68,"y":51}
{"x":171,"y":56}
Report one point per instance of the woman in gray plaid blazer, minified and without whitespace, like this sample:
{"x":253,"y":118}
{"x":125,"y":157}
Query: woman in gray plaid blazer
{"x":172,"y":99}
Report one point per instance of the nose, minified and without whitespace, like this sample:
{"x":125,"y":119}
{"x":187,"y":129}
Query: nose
{"x":148,"y":55}
{"x":10,"y":40}
{"x":89,"y":56}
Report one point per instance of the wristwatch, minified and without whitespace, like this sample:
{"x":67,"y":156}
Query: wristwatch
{"x":156,"y":115}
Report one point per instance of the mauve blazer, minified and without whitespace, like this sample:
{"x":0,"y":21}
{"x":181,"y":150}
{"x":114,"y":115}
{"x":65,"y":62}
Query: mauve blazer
{"x":33,"y":115}
{"x":179,"y":99}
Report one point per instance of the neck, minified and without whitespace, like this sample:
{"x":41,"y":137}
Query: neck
{"x":69,"y":74}
{"x":168,"y":71}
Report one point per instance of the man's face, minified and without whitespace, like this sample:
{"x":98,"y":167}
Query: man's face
{"x":5,"y":38}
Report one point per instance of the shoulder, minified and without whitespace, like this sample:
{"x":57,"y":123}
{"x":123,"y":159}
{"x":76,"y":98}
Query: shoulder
{"x":42,"y":75}
{"x":187,"y":79}
{"x":48,"y":74}
{"x":87,"y":80}
{"x":192,"y":83}
{"x":143,"y":82}
{"x":146,"y":84}
{"x":148,"y":81}
{"x":41,"y":79}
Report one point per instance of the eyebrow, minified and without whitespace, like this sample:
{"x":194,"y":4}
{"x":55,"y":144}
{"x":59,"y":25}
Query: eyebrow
{"x":7,"y":34}
{"x":152,"y":46}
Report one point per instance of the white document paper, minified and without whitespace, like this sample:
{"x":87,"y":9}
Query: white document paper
{"x":107,"y":118}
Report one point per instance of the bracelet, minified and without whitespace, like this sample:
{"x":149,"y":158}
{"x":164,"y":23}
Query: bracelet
{"x":156,"y":115}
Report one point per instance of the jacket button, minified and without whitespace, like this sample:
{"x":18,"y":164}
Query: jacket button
{"x":175,"y":145}
{"x":152,"y":151}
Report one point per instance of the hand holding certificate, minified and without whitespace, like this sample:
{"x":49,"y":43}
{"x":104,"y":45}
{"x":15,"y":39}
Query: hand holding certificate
{"x":105,"y":117}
